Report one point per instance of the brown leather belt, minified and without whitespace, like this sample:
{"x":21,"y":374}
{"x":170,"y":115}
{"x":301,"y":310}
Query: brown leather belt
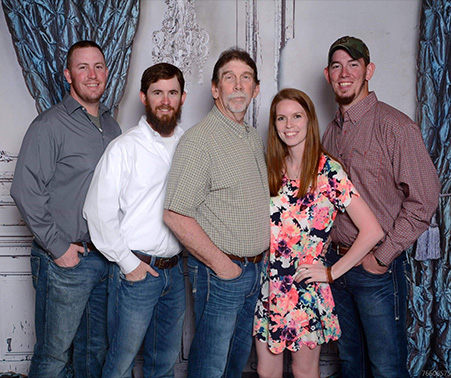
{"x":340,"y":248}
{"x":160,"y":262}
{"x":253,"y":259}
{"x":343,"y":250}
{"x":90,"y":246}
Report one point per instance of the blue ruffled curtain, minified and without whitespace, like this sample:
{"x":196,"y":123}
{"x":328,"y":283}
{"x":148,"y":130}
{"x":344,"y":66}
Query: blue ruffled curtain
{"x":430,"y":304}
{"x":43,"y":31}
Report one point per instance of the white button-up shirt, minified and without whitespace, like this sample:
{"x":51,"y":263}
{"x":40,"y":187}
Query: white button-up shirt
{"x":124,"y":204}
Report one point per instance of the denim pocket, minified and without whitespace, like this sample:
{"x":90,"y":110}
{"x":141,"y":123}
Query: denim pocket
{"x":65,"y":276}
{"x":66,"y":268}
{"x":373,"y":275}
{"x":131,"y":283}
{"x":237,"y":278}
{"x":246,"y":285}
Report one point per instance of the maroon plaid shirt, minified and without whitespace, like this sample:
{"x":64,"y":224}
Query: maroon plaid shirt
{"x":384,"y":155}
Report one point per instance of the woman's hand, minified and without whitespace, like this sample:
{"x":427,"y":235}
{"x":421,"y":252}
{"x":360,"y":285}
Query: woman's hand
{"x":311,"y":273}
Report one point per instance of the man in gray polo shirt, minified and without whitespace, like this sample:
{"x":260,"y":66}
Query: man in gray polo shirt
{"x":56,"y":161}
{"x":217,"y":204}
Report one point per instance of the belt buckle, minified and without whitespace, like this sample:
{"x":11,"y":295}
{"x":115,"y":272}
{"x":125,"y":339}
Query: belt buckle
{"x":157,"y":263}
{"x":161,"y":263}
{"x":165,"y":262}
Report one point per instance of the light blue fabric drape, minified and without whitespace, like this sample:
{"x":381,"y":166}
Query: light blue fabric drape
{"x":43,"y":30}
{"x":430,"y":305}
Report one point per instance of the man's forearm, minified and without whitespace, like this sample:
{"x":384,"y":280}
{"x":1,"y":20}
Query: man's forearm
{"x":194,"y":238}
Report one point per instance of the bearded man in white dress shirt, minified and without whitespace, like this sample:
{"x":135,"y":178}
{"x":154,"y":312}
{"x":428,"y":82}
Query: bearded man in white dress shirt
{"x":124,"y":210}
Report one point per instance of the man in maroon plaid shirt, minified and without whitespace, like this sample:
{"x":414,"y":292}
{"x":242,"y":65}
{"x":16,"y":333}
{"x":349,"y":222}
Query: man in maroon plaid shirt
{"x":384,"y":155}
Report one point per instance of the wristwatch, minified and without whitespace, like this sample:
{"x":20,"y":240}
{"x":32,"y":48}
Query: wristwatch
{"x":380,"y":263}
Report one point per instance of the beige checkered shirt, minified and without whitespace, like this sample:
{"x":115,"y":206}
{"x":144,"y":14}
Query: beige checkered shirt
{"x":218,"y":177}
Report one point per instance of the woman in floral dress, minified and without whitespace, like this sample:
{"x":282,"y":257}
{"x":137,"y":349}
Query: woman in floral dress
{"x":295,"y":310}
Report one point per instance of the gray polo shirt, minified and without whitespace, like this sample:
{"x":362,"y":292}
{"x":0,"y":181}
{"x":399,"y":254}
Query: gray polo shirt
{"x":56,"y":161}
{"x":218,"y":177}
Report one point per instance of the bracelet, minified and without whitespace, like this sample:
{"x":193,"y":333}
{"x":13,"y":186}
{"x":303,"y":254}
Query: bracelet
{"x":329,"y":274}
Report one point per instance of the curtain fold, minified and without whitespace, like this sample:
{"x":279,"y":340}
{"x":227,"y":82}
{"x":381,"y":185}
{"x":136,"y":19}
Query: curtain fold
{"x":43,"y":31}
{"x":430,"y":302}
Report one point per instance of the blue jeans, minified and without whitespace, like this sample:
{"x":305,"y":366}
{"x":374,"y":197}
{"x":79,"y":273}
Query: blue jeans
{"x":224,"y":313}
{"x":70,"y":312}
{"x":150,"y":310}
{"x":371,"y":310}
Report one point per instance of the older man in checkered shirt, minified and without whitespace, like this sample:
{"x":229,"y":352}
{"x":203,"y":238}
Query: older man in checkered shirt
{"x":217,"y":204}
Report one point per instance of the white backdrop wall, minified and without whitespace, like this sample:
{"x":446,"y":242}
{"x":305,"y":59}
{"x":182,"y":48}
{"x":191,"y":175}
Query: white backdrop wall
{"x":389,"y":28}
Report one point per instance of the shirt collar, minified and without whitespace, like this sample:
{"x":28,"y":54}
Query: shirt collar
{"x":72,"y":105}
{"x":237,"y":128}
{"x":356,"y":112}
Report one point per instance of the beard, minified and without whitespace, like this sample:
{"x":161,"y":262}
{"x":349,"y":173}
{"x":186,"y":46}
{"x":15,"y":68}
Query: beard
{"x":238,"y":108}
{"x":346,"y":100}
{"x":165,"y":124}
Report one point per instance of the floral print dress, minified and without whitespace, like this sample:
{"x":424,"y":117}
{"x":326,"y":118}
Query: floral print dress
{"x":290,"y":314}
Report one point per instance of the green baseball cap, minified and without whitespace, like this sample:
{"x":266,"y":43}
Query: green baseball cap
{"x":354,"y":46}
